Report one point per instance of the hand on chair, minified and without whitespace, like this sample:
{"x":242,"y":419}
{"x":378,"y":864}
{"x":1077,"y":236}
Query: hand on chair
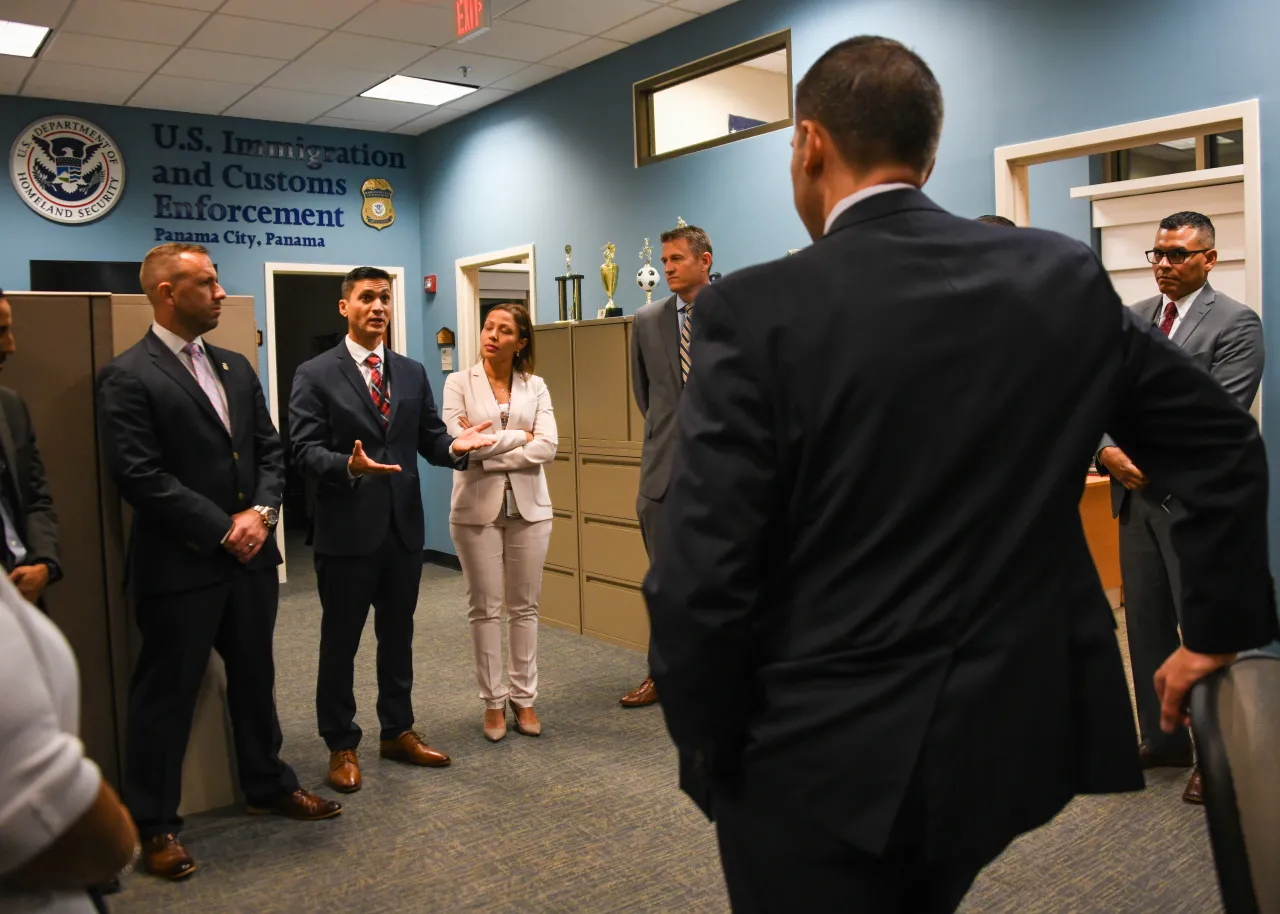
{"x":1175,"y":678}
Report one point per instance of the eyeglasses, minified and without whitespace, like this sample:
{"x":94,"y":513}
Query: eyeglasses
{"x":1175,"y":257}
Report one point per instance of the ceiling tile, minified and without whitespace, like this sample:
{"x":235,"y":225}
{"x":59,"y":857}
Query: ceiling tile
{"x":178,"y":93}
{"x":701,"y":6}
{"x":649,"y":25}
{"x":590,"y":17}
{"x":13,"y":70}
{"x":87,"y":84}
{"x":434,"y":119}
{"x":318,"y":77}
{"x":113,"y":53}
{"x":220,"y":66}
{"x":284,"y":105}
{"x":126,"y":19}
{"x":377,"y":113}
{"x":416,"y":22}
{"x":479,"y":99}
{"x":34,"y":12}
{"x":340,"y":122}
{"x":443,"y":65}
{"x":254,"y":36}
{"x":502,"y":7}
{"x":323,"y":14}
{"x":589,"y":50}
{"x":530,"y":76}
{"x":518,"y":41}
{"x":207,"y":6}
{"x":359,"y":52}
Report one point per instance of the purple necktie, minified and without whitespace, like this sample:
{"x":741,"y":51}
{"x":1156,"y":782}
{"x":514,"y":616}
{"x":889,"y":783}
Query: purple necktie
{"x":207,"y":382}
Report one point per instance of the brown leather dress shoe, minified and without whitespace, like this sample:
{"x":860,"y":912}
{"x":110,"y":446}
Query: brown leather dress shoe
{"x":1153,"y":758}
{"x":1195,"y":790}
{"x":301,"y":804}
{"x":411,"y":749}
{"x":344,"y":771}
{"x":644,"y":694}
{"x":527,"y":722}
{"x":164,"y":856}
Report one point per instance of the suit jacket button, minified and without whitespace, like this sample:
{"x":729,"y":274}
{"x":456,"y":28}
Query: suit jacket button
{"x":235,"y":455}
{"x":240,"y":495}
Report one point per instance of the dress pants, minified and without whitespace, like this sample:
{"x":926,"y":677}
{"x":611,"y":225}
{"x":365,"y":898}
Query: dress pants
{"x":237,"y":619}
{"x":776,"y":863}
{"x":1152,"y":606}
{"x":502,"y":563}
{"x":651,"y":514}
{"x":388,"y":580}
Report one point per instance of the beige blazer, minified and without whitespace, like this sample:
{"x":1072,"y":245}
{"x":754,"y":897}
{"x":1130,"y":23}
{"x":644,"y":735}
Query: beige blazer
{"x":478,"y":490}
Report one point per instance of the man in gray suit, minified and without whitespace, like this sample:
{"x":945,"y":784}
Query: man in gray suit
{"x":661,"y":342}
{"x":1225,"y":337}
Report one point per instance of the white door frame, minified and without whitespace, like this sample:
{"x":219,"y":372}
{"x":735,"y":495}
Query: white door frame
{"x":398,"y":334}
{"x":468,"y":283}
{"x":1012,"y":162}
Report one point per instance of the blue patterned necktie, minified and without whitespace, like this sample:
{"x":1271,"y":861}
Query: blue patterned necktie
{"x":685,"y":343}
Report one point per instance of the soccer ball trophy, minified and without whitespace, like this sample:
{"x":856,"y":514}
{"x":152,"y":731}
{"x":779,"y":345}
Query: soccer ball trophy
{"x":647,"y":277}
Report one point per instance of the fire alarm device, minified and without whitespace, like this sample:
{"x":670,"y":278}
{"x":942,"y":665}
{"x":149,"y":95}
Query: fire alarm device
{"x":429,"y":284}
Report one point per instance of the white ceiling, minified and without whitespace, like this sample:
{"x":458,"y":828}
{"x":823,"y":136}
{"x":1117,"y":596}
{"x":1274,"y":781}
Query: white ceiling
{"x":307,"y":61}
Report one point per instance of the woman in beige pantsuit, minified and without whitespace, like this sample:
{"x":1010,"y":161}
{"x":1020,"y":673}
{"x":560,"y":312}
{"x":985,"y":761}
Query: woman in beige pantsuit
{"x":500,"y":511}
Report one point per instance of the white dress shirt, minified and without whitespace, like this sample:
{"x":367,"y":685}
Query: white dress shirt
{"x":176,"y":344}
{"x":855,"y":198}
{"x":46,"y":781}
{"x":1183,"y":304}
{"x":360,"y":354}
{"x":682,"y":312}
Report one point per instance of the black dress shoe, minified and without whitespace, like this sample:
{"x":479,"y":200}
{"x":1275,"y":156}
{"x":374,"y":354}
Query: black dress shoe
{"x":1164,"y":758}
{"x":1195,"y":789}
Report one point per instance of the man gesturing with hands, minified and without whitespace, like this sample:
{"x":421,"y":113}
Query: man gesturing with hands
{"x":359,"y":415}
{"x":186,"y":433}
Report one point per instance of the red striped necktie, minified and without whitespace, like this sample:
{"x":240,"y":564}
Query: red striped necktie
{"x":378,"y":389}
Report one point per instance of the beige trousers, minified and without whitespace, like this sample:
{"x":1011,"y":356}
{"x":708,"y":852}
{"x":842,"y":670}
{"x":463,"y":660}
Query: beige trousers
{"x":502,"y":563}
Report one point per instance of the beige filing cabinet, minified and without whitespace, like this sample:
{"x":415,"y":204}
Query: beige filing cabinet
{"x":597,"y":560}
{"x":89,"y":605}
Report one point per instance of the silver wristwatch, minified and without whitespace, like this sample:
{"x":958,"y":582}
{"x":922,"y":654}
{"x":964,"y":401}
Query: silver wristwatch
{"x":270,"y":516}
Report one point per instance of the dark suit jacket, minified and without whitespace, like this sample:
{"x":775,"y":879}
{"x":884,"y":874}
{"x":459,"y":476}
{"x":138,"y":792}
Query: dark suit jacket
{"x":655,"y":379}
{"x":35,"y":518}
{"x":1222,"y":336}
{"x":329,"y":410}
{"x":847,"y":598}
{"x":175,"y":464}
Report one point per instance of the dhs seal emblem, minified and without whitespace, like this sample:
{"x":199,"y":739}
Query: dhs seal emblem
{"x":67,"y":169}
{"x":377,"y":211}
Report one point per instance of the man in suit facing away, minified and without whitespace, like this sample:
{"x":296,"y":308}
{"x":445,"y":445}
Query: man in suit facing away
{"x":185,"y":431}
{"x":30,"y":524}
{"x":359,"y":416}
{"x":856,"y":631}
{"x":1224,"y":337}
{"x":661,"y":353}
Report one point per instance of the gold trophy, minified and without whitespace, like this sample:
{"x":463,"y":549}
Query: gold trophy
{"x":563,"y":283}
{"x":647,"y":277}
{"x":609,"y":276}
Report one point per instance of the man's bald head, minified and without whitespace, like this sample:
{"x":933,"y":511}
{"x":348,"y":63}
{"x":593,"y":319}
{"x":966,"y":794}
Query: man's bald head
{"x":165,"y":263}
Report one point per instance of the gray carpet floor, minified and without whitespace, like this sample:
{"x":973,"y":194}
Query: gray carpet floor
{"x":586,"y":818}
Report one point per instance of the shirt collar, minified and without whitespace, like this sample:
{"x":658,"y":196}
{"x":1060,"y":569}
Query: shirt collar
{"x":359,"y":353}
{"x":1183,"y":303}
{"x":855,"y":198}
{"x":175,"y":343}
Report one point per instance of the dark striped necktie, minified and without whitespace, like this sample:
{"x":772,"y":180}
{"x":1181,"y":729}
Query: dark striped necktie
{"x":685,"y":344}
{"x":378,"y":389}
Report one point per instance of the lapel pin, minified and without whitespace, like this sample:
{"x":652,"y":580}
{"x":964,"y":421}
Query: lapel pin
{"x":224,"y":367}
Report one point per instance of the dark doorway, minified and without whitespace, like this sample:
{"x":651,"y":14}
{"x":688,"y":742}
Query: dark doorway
{"x":307,"y":324}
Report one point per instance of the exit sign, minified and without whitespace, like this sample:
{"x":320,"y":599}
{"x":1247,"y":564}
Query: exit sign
{"x":473,"y":18}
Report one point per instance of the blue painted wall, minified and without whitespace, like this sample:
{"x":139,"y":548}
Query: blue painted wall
{"x":554,"y":164}
{"x":129,"y":230}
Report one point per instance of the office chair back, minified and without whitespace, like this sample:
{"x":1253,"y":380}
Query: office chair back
{"x":1235,"y":715}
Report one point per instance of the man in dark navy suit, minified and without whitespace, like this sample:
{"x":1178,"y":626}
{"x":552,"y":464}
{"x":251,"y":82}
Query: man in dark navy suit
{"x":880,"y":665}
{"x":186,"y":433}
{"x":359,"y":416}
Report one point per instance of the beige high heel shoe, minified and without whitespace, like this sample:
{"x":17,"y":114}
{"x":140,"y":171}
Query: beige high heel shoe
{"x":495,"y":724}
{"x":527,"y":723}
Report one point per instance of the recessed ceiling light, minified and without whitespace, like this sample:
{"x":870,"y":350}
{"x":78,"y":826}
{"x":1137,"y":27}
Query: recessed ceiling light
{"x":417,"y":91}
{"x":21,"y":40}
{"x":1182,"y":144}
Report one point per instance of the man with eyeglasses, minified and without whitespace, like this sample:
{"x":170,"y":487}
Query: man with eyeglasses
{"x":1225,"y":337}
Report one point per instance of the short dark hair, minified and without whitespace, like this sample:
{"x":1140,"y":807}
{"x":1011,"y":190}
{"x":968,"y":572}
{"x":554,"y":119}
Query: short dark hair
{"x":880,"y":102}
{"x":360,"y":274}
{"x":699,"y":241}
{"x":523,"y":360}
{"x":996,"y":220}
{"x":1198,"y":221}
